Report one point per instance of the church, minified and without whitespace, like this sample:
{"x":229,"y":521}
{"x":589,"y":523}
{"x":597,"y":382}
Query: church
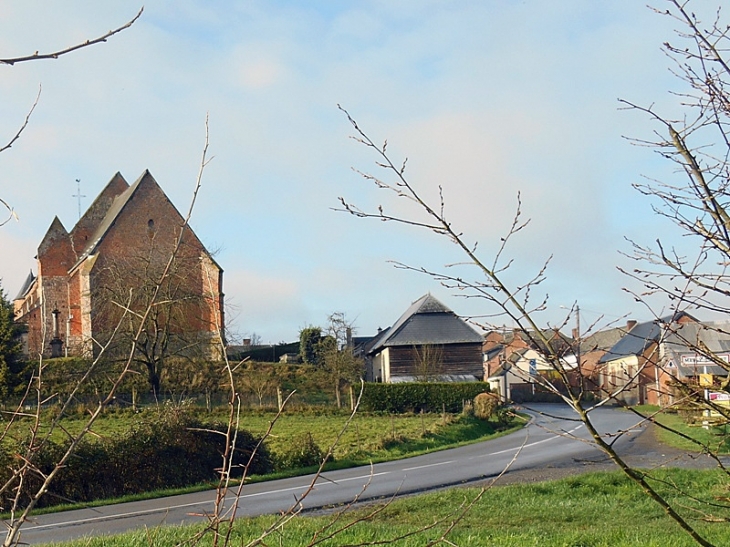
{"x":131,"y":269}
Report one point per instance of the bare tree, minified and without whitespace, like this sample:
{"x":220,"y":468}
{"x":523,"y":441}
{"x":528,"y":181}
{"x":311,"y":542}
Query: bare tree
{"x":429,"y":362}
{"x":699,"y":207}
{"x":179,"y":316}
{"x":40,"y":432}
{"x":255,"y":339}
{"x":259,"y":381}
{"x":339,"y":360}
{"x":696,"y":139}
{"x":143,"y":323}
{"x":25,"y":464}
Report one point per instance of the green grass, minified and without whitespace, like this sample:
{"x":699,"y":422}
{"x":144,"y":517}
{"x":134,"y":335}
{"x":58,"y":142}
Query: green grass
{"x":376,"y":437}
{"x":591,"y":510}
{"x":714,"y":438}
{"x":370,"y":437}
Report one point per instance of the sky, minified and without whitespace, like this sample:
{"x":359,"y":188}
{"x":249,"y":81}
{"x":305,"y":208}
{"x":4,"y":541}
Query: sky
{"x":486,"y":98}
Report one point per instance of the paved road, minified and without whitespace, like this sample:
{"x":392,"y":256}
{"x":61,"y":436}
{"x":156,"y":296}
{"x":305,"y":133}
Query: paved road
{"x":545,"y":442}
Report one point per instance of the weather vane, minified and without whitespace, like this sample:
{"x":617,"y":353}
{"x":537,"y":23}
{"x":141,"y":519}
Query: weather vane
{"x":78,"y":195}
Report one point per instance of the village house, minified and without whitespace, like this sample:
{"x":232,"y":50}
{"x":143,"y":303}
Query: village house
{"x":593,"y":347}
{"x":697,"y":356}
{"x":634,"y":370}
{"x":515,"y":359}
{"x":108,"y":266}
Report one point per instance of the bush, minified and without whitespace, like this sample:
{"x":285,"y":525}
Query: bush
{"x":417,"y":396}
{"x":164,"y":450}
{"x":485,"y":405}
{"x":302,"y":452}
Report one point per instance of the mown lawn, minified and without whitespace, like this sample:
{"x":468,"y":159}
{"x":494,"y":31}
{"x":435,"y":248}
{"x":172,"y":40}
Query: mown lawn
{"x":591,"y":510}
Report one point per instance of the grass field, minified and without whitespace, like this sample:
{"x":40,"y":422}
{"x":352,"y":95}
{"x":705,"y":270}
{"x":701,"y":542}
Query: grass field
{"x":713,"y":438}
{"x":592,"y":510}
{"x":369,"y":437}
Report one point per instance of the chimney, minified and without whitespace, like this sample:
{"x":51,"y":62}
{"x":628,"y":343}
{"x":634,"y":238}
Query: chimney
{"x":630,"y":324}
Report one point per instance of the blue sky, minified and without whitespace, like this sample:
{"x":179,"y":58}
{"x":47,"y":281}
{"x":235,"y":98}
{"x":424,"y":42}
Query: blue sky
{"x":486,"y":98}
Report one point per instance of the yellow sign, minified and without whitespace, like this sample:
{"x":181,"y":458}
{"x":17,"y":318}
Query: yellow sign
{"x":706,"y":380}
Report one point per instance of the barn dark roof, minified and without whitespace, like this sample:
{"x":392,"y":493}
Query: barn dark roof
{"x":427,"y":321}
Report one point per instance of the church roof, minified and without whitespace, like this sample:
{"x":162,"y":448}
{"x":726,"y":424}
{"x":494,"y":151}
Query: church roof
{"x":26,"y":286}
{"x":88,"y":224}
{"x":427,"y":321}
{"x":111,"y":214}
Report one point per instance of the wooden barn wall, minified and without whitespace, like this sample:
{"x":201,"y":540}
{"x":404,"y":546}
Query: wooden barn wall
{"x":456,"y":359}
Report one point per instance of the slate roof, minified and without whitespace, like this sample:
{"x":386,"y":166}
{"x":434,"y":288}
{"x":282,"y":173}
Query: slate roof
{"x":26,"y":286}
{"x":638,"y":339}
{"x":367,"y":346}
{"x":427,"y":321}
{"x":714,"y":337}
{"x":96,"y":212}
{"x":602,"y":340}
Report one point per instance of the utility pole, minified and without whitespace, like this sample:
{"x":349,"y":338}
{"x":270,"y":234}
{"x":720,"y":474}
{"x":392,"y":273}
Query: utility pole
{"x":577,"y":335}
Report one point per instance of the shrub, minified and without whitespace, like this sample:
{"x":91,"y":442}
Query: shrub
{"x":468,"y":409}
{"x":485,"y":405}
{"x":302,"y":452}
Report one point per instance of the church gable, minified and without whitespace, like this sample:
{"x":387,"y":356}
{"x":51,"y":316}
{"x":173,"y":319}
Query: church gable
{"x":55,"y":255}
{"x":145,"y":224}
{"x":95,"y":214}
{"x":134,"y":250}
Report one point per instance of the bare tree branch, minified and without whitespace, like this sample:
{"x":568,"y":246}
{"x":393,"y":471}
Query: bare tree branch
{"x":56,"y":54}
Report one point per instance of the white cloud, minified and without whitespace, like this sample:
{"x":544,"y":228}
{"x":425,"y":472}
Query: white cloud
{"x":485,"y":98}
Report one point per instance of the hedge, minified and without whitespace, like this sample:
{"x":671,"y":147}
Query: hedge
{"x":164,"y":452}
{"x":418,"y":396}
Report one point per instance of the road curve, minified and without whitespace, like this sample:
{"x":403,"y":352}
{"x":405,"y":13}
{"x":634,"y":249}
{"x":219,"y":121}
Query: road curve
{"x":551,"y":438}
